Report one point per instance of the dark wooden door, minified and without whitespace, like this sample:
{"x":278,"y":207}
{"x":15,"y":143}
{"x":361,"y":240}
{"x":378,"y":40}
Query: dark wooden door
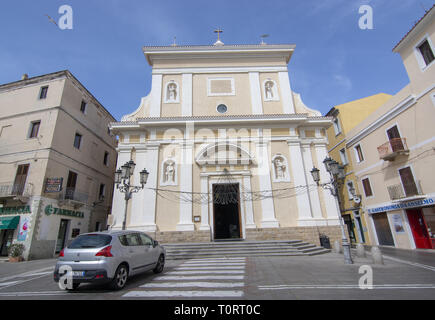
{"x":383,"y":230}
{"x":395,"y":139}
{"x":20,"y":179}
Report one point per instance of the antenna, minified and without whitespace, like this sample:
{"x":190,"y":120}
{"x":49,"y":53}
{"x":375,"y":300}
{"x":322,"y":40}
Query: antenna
{"x":174,"y":44}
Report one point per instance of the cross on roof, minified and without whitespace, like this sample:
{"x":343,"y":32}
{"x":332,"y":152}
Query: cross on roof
{"x":218,"y":31}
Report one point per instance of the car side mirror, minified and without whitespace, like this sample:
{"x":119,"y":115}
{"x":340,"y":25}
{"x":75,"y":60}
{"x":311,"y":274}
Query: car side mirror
{"x":155,"y":243}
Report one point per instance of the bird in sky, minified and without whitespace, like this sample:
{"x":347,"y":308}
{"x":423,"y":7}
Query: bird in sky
{"x":51,"y":19}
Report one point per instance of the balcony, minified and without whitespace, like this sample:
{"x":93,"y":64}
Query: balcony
{"x":73,"y":197}
{"x":391,"y":149}
{"x":404,"y":192}
{"x":16,"y":191}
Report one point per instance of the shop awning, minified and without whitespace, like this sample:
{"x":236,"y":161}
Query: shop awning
{"x":9,"y":222}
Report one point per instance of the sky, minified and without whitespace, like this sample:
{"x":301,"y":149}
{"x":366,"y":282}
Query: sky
{"x":335,"y":61}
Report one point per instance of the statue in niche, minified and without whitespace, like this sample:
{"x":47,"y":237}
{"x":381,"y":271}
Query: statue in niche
{"x":170,"y":171}
{"x":171,"y":93}
{"x":280,"y":168}
{"x":268,"y":86}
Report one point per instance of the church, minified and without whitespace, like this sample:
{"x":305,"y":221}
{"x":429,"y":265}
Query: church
{"x":229,"y":148}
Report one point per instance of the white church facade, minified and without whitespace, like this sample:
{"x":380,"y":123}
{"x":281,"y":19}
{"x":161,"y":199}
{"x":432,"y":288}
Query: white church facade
{"x":229,"y":148}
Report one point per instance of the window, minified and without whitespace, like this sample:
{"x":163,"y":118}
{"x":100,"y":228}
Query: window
{"x":71,"y":185}
{"x":106,"y":158}
{"x":337,"y":127}
{"x":34,"y":129}
{"x":408,"y":181}
{"x":222,"y":108}
{"x":367,"y":187}
{"x":83,"y":107}
{"x":343,"y":156}
{"x":359,"y":154}
{"x":43,"y":92}
{"x":77,"y":140}
{"x":102,"y":191}
{"x":131,"y":239}
{"x":146,"y":241}
{"x":426,"y":52}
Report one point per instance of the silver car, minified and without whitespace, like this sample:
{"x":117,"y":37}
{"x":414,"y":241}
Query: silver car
{"x":110,"y":257}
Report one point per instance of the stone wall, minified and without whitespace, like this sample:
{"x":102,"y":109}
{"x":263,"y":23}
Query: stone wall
{"x":307,"y":234}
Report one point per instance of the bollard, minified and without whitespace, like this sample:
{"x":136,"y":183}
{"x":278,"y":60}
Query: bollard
{"x":360,"y":251}
{"x":337,"y":247}
{"x":377,"y":255}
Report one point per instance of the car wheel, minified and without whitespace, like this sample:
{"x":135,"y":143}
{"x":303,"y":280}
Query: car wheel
{"x":120,"y":278}
{"x":160,"y":264}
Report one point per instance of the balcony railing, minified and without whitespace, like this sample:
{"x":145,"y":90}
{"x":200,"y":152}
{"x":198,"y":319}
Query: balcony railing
{"x":74,"y":195}
{"x":11,"y":190}
{"x":389,"y":150}
{"x":405,"y":190}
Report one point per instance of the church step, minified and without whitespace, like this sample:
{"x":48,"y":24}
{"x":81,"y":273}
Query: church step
{"x":232,"y":243}
{"x":217,"y":249}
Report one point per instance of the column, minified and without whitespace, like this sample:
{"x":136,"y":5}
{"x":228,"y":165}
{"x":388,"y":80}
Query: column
{"x":143,"y":210}
{"x":267,"y":206}
{"x":331,"y":205}
{"x":254,"y":82}
{"x":298,"y":170}
{"x":185,"y":223}
{"x":250,"y":224}
{"x":118,"y":203}
{"x":205,"y":223}
{"x":313,"y":192}
{"x":186,"y":89}
{"x":286,"y":92}
{"x":156,"y":95}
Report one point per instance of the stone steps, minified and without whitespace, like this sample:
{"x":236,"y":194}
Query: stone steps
{"x":176,"y":251}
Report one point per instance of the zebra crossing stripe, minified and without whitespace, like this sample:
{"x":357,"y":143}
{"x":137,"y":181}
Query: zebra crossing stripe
{"x":209,"y":277}
{"x":211,"y":268}
{"x":184,"y":294}
{"x":193,"y":284}
{"x":209,"y":264}
{"x":206,"y":272}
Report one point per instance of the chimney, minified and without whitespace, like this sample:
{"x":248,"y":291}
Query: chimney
{"x":25,"y":76}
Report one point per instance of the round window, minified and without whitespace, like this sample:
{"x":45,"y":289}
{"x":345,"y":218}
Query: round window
{"x":222,"y":108}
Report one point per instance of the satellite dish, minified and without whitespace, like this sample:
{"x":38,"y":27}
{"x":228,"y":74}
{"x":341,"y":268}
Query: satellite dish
{"x":356,"y":199}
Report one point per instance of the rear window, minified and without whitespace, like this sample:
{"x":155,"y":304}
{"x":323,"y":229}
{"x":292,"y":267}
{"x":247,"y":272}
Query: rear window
{"x":89,"y":241}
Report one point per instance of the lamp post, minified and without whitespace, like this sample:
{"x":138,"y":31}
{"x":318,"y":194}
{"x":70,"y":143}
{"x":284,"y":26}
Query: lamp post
{"x":337,"y":174}
{"x":122,"y":181}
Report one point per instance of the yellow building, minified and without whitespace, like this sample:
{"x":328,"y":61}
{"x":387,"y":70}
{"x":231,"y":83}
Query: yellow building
{"x":346,"y":117}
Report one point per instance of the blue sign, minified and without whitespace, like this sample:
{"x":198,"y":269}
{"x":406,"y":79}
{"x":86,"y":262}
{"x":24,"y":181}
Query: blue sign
{"x":405,"y":205}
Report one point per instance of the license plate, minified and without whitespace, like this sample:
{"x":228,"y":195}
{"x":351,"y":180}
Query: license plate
{"x":78,"y":273}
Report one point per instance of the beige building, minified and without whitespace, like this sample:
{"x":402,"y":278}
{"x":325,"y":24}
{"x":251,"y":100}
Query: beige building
{"x":229,"y":147}
{"x":57,"y":160}
{"x":346,"y":117}
{"x":393,"y":150}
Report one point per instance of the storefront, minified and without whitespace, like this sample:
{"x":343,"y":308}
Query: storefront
{"x":44,"y":226}
{"x":406,"y":225}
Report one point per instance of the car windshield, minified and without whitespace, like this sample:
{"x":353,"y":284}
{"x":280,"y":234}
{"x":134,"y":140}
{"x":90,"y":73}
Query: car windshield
{"x":88,"y":241}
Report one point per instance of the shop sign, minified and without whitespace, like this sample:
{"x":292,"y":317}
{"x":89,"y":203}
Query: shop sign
{"x":15,"y":210}
{"x":53,"y":185}
{"x":49,"y":210}
{"x":405,"y":205}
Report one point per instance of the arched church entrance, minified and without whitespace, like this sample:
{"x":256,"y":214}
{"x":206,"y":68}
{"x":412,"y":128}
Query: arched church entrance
{"x":226,"y":211}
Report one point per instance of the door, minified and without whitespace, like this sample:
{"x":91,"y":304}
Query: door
{"x":20,"y":179}
{"x":150,"y":254}
{"x":62,"y":235}
{"x":134,"y":252}
{"x":359,"y":227}
{"x":383,"y":231}
{"x":6,"y":237}
{"x":71,"y":185}
{"x":419,"y":229}
{"x":395,"y":139}
{"x":226,"y":211}
{"x":350,"y":227}
{"x":408,"y":182}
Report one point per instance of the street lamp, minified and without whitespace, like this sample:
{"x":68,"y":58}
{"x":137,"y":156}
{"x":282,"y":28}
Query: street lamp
{"x":122,"y":181}
{"x":337,"y":174}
